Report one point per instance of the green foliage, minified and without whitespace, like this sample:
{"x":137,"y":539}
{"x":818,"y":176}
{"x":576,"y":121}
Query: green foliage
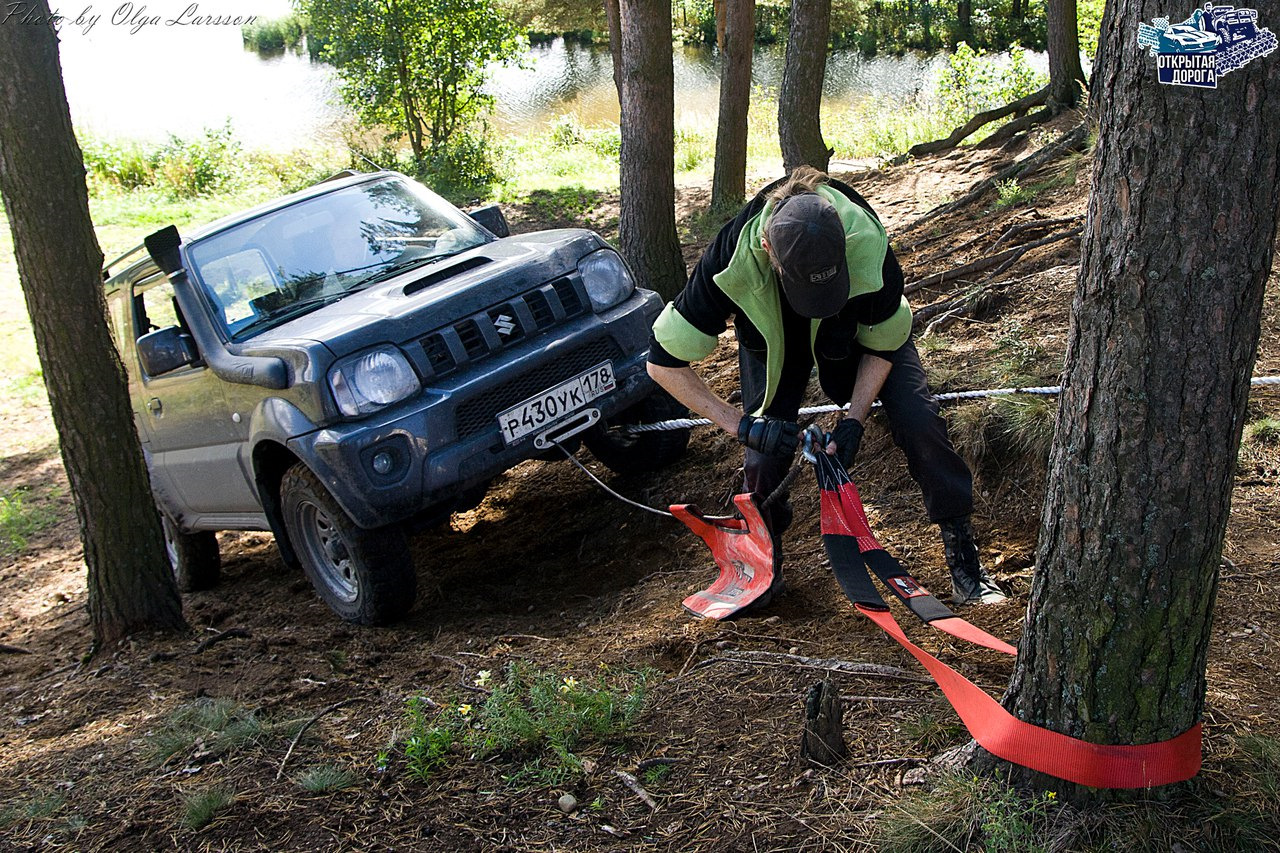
{"x":274,"y":35}
{"x":200,"y":807}
{"x":1010,"y":194}
{"x":1265,"y":431}
{"x":214,"y":726}
{"x":1089,"y":24}
{"x":416,"y":68}
{"x":38,"y":807}
{"x":183,"y":168}
{"x":932,"y":732}
{"x":324,"y":778}
{"x":20,"y":519}
{"x":535,"y":717}
{"x":973,"y":81}
{"x":896,"y":26}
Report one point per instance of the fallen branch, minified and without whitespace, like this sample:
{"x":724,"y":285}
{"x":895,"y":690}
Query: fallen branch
{"x":659,"y":761}
{"x":634,"y":784}
{"x":7,"y":649}
{"x":1072,"y":140}
{"x":1000,"y":260}
{"x":979,"y":297}
{"x":1018,"y":107}
{"x":875,"y":670}
{"x":1013,"y":128}
{"x":1033,"y":225}
{"x":308,"y":724}
{"x":229,"y":634}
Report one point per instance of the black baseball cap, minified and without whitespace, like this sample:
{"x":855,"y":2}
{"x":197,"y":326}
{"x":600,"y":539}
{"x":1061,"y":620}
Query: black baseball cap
{"x":807,"y":240}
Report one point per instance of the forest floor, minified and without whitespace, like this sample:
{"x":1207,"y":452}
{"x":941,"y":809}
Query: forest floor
{"x":179,"y":742}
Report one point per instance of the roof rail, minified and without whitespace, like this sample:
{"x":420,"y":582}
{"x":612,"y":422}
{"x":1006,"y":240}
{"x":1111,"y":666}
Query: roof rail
{"x":106,"y":268}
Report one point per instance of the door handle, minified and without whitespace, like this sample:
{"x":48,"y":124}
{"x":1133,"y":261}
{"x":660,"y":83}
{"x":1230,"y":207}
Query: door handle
{"x":154,"y":406}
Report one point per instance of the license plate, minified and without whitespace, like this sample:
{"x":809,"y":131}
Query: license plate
{"x":555,"y":403}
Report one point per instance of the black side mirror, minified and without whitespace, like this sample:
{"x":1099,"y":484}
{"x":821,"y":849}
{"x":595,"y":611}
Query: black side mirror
{"x":491,"y":217}
{"x":165,"y":350}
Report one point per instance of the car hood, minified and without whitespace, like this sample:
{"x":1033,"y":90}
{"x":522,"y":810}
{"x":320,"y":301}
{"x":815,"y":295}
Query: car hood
{"x":413,"y":303}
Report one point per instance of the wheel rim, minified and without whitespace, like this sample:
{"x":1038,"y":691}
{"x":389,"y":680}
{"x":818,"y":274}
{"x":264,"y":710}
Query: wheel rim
{"x":326,"y":551}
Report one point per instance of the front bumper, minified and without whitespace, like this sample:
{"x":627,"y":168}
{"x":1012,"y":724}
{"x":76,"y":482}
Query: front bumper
{"x":445,"y":442}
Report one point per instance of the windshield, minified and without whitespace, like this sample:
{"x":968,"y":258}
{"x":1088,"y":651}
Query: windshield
{"x":271,"y":269}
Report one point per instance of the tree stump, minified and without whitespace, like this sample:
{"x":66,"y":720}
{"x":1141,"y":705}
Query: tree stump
{"x":822,"y":741}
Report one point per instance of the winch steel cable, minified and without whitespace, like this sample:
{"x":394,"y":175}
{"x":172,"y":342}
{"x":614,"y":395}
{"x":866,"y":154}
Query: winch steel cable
{"x":1037,"y":390}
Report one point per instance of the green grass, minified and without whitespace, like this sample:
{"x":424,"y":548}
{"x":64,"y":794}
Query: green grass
{"x":325,"y":778}
{"x":537,"y":719}
{"x":20,"y":519}
{"x":933,"y":731}
{"x":213,"y":726}
{"x":1264,"y":431}
{"x":38,"y":807}
{"x":1011,"y":194}
{"x":202,"y":806}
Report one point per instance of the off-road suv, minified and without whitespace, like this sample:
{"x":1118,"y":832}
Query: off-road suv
{"x":362,"y":355}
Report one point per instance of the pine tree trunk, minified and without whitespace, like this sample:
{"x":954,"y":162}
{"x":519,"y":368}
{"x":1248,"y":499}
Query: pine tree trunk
{"x":1016,"y":11}
{"x":1165,"y":327}
{"x":964,"y":19}
{"x":800,"y":101}
{"x":647,"y":221}
{"x":1066,"y":77}
{"x":729,"y":181}
{"x":59,"y":262}
{"x":613,"y":16}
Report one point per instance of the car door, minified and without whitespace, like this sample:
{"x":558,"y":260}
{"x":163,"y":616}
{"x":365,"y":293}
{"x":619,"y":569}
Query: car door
{"x":185,"y":418}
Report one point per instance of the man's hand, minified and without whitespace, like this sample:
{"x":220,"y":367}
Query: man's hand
{"x":770,"y":436}
{"x":845,"y":440}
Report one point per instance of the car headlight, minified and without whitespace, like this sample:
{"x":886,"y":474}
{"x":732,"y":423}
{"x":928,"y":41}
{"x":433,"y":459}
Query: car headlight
{"x":372,"y":380}
{"x":607,"y":279}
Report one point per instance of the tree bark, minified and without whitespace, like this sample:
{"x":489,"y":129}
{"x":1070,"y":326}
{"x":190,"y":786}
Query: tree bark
{"x":722,"y":23}
{"x":1016,"y":11}
{"x":1176,"y":253}
{"x":800,"y":101}
{"x":647,"y":220}
{"x":1066,"y":77}
{"x":614,"y":17}
{"x":964,"y":19}
{"x":42,"y":183}
{"x":729,"y":181}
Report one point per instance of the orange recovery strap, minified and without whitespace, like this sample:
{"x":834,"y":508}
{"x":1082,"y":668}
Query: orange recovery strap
{"x":853,"y":550}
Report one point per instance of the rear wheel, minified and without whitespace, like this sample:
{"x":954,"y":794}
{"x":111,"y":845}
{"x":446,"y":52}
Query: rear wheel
{"x":193,"y":557}
{"x":635,"y":453}
{"x":365,"y":576}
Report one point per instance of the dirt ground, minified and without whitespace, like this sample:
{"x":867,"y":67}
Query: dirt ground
{"x":551,"y":571}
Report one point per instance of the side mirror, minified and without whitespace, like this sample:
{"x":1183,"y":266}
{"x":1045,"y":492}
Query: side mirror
{"x":490,"y":216}
{"x":166,"y":350}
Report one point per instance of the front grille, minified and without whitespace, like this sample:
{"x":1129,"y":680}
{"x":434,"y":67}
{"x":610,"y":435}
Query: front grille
{"x":479,"y":413}
{"x":548,"y":306}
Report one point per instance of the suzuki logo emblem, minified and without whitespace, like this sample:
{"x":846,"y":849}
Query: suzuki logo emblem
{"x":504,"y":324}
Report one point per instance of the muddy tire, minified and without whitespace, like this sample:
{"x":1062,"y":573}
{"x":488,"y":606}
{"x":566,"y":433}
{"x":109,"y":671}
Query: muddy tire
{"x":626,"y":453}
{"x":193,"y":557}
{"x":365,"y":576}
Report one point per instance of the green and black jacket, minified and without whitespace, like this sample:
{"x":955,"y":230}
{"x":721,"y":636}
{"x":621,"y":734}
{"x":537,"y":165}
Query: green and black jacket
{"x":734,"y":279}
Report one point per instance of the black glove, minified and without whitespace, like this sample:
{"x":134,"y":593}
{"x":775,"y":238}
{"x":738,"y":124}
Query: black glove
{"x":847,"y":436}
{"x":770,"y":436}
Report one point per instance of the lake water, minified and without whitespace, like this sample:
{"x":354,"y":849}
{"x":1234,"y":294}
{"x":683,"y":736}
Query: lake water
{"x":133,"y":74}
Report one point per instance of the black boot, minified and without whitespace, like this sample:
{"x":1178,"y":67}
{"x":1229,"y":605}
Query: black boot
{"x":969,"y":581}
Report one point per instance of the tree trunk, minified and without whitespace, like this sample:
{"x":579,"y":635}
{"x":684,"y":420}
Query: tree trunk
{"x":729,"y":182}
{"x":1165,"y":327}
{"x":722,"y":24}
{"x":800,"y":101}
{"x":1016,"y":11}
{"x":1066,"y":77}
{"x":647,"y":221}
{"x":964,"y":19}
{"x":42,"y":183}
{"x":614,"y":17}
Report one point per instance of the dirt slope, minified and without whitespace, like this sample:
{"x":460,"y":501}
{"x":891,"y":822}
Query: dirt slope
{"x":551,"y":571}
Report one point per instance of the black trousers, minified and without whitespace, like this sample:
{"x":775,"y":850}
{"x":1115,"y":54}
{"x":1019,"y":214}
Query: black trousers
{"x":944,"y":479}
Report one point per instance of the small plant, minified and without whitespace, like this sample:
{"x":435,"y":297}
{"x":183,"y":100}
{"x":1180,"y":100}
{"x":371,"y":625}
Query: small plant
{"x":200,"y":807}
{"x":325,"y":778}
{"x":39,"y":807}
{"x":216,"y":726}
{"x":656,"y":774}
{"x":1011,"y":193}
{"x":431,"y":737}
{"x":19,"y":520}
{"x":931,"y":732}
{"x":1265,"y":431}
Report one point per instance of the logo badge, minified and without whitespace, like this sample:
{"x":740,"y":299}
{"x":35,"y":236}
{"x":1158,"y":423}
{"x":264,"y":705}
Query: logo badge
{"x":504,"y":324}
{"x":1209,"y":45}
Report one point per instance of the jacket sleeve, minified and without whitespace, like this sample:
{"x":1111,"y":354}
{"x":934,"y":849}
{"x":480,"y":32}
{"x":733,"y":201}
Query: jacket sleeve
{"x":884,"y":317}
{"x":688,"y":328}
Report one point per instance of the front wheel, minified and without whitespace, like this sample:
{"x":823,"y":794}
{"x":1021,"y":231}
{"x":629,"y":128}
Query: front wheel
{"x":365,"y":576}
{"x":625,"y":452}
{"x":193,"y":557}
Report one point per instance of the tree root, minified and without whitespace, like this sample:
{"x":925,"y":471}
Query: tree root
{"x":1018,"y":107}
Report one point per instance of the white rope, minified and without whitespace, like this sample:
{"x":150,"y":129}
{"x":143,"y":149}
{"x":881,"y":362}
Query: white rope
{"x":1043,"y":390}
